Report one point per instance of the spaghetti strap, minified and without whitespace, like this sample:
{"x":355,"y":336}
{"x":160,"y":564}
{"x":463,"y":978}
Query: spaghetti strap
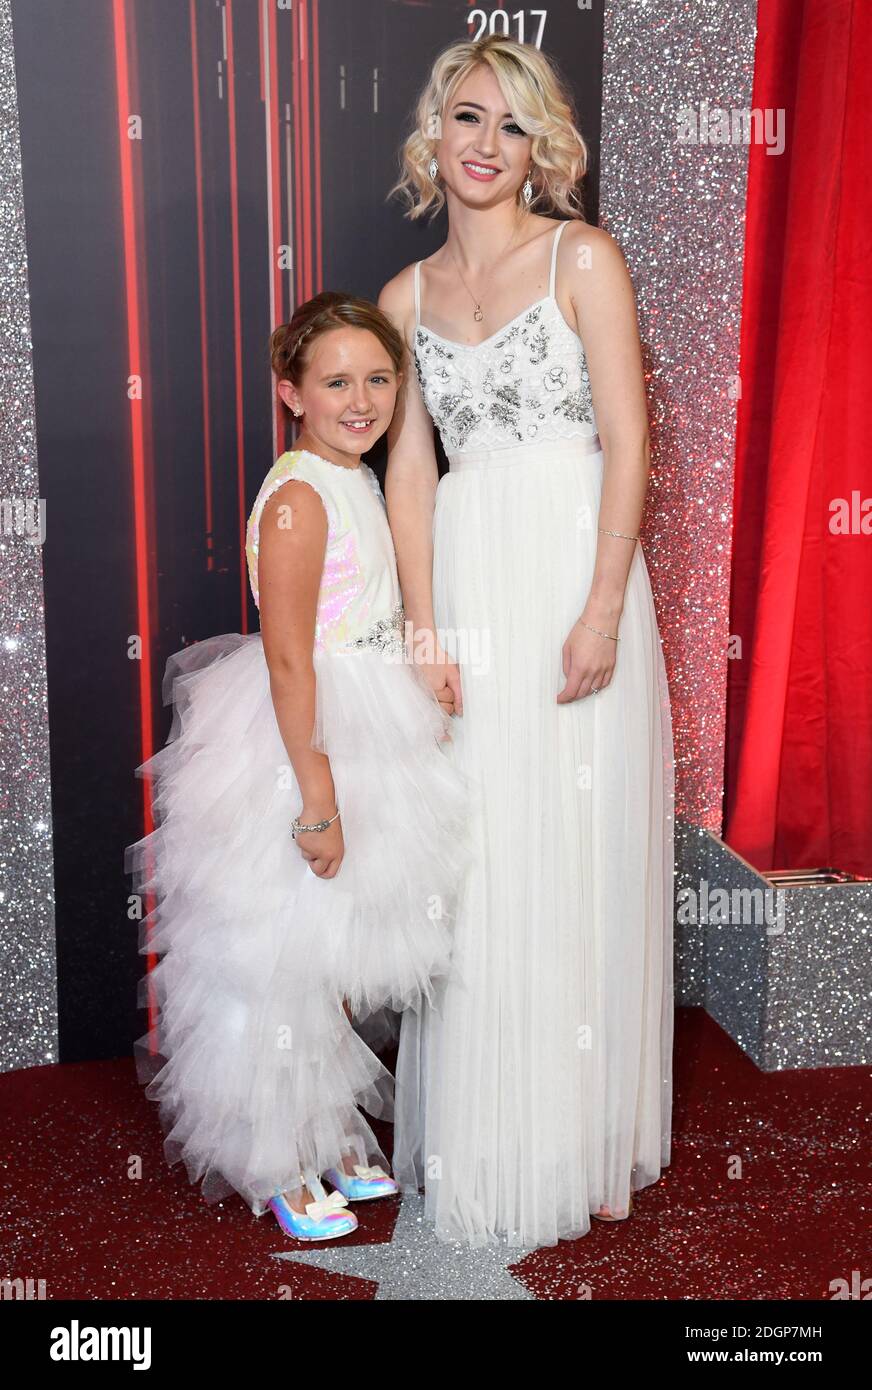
{"x":557,"y":235}
{"x":417,"y":294}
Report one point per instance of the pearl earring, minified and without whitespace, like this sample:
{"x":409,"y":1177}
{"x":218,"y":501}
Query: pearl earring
{"x":433,"y":168}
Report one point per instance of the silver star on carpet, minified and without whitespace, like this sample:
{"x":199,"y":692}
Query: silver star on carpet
{"x":415,"y":1265}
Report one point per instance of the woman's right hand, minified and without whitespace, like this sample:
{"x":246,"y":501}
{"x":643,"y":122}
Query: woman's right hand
{"x":322,"y":849}
{"x":443,"y":677}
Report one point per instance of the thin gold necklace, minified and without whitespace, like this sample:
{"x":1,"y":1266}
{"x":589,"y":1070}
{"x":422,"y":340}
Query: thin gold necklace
{"x":478,"y":315}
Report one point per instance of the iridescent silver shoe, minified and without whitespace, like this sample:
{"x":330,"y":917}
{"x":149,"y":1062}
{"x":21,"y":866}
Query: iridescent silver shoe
{"x":324,"y":1219}
{"x":364,"y":1184}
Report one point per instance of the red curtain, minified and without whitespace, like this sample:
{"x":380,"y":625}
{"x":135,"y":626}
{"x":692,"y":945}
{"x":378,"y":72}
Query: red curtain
{"x":799,"y":712}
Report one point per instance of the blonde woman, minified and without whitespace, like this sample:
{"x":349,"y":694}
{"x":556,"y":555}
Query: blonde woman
{"x":537,"y":1092}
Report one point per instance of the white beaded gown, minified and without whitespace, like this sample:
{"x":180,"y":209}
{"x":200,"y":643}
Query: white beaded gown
{"x":536,"y":1086}
{"x":256,"y":1069}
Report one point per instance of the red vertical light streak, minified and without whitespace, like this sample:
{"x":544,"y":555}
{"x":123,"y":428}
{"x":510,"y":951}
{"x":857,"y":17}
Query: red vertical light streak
{"x":307,"y":147}
{"x":275,"y":176}
{"x":298,"y":156}
{"x":134,"y":353}
{"x":237,"y":315}
{"x":201,"y":271}
{"x":316,"y":79}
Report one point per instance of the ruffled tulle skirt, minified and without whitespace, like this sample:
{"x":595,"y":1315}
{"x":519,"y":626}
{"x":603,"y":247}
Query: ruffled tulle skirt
{"x":537,"y":1086}
{"x":258,"y":1072}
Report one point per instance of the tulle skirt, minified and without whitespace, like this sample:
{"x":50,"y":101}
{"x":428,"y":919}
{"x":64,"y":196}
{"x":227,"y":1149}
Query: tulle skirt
{"x":536,"y":1087}
{"x":257,"y":1070}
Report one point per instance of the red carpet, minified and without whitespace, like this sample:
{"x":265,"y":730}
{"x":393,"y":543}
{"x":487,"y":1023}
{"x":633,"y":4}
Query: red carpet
{"x":791,"y":1224}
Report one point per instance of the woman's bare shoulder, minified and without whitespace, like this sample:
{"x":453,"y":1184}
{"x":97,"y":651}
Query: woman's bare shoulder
{"x":399,"y":292}
{"x":595,"y":241}
{"x":397,"y":300}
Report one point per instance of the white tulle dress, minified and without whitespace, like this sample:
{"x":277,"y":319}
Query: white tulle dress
{"x":537,"y":1088}
{"x":256,"y":1068}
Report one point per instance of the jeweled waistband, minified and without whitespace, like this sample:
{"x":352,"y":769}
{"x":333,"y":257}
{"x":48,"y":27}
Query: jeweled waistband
{"x":477,"y":459}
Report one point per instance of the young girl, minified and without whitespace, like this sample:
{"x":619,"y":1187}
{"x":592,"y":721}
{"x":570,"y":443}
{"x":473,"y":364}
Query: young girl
{"x":310,"y":828}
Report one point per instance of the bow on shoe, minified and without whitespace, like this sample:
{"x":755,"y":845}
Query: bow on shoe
{"x":318,"y":1210}
{"x":362,"y":1172}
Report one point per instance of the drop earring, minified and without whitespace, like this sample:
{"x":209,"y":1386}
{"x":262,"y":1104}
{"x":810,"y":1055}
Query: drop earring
{"x":433,"y":168}
{"x":527,"y":190}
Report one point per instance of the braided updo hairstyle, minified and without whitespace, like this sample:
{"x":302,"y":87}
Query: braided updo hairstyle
{"x":291,"y":343}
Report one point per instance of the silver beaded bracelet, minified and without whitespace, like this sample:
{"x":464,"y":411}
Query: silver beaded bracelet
{"x":298,"y":829}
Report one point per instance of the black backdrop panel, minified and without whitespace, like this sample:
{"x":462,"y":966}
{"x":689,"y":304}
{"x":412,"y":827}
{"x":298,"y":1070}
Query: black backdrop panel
{"x":260,"y":126}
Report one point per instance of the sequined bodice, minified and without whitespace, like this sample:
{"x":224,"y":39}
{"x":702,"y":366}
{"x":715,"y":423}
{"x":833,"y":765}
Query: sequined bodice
{"x":359,"y":603}
{"x":527,"y":383}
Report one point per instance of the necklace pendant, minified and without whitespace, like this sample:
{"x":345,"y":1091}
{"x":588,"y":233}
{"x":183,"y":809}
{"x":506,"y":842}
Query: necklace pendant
{"x":478,"y":315}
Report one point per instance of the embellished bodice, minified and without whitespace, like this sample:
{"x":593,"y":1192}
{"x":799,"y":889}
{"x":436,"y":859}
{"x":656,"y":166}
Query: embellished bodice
{"x":525,"y":384}
{"x":359,"y":604}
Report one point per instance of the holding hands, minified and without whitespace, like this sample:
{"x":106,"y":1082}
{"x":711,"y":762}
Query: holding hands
{"x":443,"y":677}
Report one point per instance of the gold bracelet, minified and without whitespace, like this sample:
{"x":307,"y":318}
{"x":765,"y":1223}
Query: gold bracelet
{"x":617,"y":533}
{"x":597,"y":631}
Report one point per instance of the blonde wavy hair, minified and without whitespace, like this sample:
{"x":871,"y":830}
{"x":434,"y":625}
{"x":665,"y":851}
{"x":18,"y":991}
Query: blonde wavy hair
{"x":539,"y":102}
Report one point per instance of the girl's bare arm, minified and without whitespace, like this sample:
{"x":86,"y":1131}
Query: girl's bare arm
{"x":293,"y":540}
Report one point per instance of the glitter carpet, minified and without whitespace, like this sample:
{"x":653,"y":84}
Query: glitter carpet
{"x":788,"y":1223}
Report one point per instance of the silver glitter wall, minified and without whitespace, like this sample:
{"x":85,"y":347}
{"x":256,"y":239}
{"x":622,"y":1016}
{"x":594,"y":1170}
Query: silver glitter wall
{"x":792,"y":997}
{"x":28,"y":1002}
{"x":677,"y":211}
{"x":790,"y":988}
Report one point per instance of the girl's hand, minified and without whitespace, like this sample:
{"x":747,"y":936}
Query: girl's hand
{"x":588,"y":659}
{"x":323,"y":850}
